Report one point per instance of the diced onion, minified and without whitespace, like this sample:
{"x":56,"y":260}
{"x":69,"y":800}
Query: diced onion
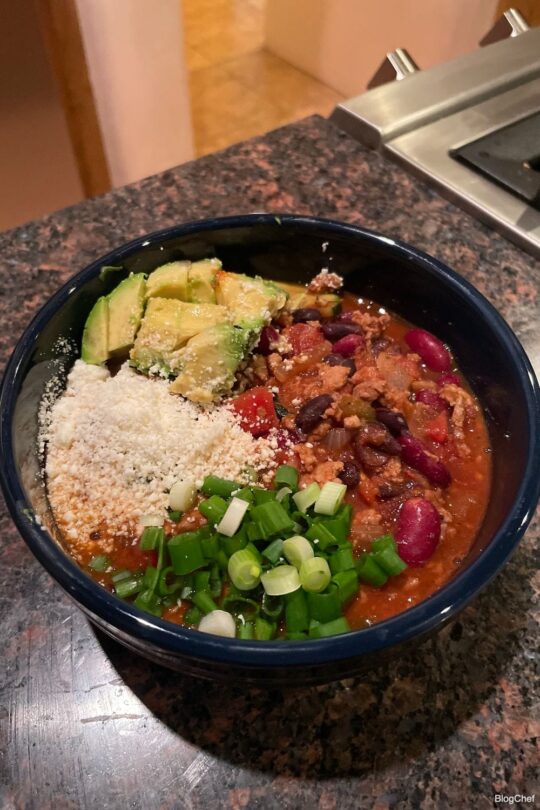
{"x":151,"y":520}
{"x":182,"y":495}
{"x":282,"y":493}
{"x":315,"y":574}
{"x":280,"y":580}
{"x":330,"y":498}
{"x":297,"y":549}
{"x":307,"y":497}
{"x":219,"y":623}
{"x":337,"y":438}
{"x":233,"y":517}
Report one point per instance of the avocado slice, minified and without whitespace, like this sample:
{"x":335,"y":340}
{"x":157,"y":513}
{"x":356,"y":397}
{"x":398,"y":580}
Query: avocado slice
{"x":202,"y":281}
{"x":169,"y":281}
{"x":166,"y":327}
{"x":328,"y":304}
{"x":252,"y":301}
{"x":209,"y":361}
{"x":95,"y":344}
{"x":125,"y":308}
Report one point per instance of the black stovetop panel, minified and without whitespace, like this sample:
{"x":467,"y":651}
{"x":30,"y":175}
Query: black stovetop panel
{"x":510,"y":157}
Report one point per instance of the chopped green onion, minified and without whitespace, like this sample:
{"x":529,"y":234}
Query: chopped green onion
{"x":245,"y":630}
{"x":297,"y":549}
{"x":296,"y":612}
{"x":263,"y":495}
{"x":210,"y":546}
{"x":346,"y":583}
{"x":150,"y":538}
{"x":174,"y":515}
{"x":214,"y":584}
{"x":121,"y":575}
{"x":307,"y":497}
{"x":369,"y":571}
{"x":151,"y":520}
{"x":280,"y":580}
{"x":286,"y":475}
{"x":282,"y":493}
{"x":234,"y":543}
{"x":315,"y":574}
{"x":273,"y":551}
{"x":341,"y":560}
{"x":129,"y":586}
{"x":212,"y":485}
{"x":147,"y":600}
{"x":204,"y":601}
{"x":219,"y":623}
{"x":272,"y":519}
{"x":213,"y":509}
{"x":296,"y":636}
{"x":233,"y":517}
{"x":99,"y":563}
{"x":386,"y":541}
{"x":324,"y":607}
{"x":264,"y":630}
{"x":182,"y":495}
{"x":193,"y":615}
{"x":272,"y":606}
{"x":235,"y":602}
{"x":337,"y":526}
{"x":389,"y":560}
{"x":245,"y":494}
{"x":222,"y":560}
{"x":333,"y":628}
{"x":330,"y":498}
{"x":186,"y":553}
{"x":165,"y":588}
{"x":244,"y":570}
{"x":253,"y":532}
{"x":201,"y":580}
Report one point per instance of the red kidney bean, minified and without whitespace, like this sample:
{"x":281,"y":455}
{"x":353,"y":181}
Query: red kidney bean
{"x":431,"y":350}
{"x":433,"y":400}
{"x":306,"y":314}
{"x":310,"y":414}
{"x":335,"y":331}
{"x":393,"y":420}
{"x":449,"y":378}
{"x":269,"y":335}
{"x":347,"y":345}
{"x":349,"y":474}
{"x":338,"y":360}
{"x":414,"y":454}
{"x":418,"y":531}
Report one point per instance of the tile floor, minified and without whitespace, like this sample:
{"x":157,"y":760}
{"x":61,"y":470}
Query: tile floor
{"x":237,"y":88}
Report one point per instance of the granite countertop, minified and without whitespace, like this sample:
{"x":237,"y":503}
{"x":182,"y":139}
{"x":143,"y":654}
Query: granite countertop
{"x":85,"y":723}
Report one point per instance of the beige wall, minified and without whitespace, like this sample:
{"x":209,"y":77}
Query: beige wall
{"x":342,"y":42}
{"x":37,"y":167}
{"x":135,"y":55}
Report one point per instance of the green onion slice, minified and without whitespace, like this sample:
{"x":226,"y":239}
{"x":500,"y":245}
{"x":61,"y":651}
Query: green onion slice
{"x":219,"y":623}
{"x":286,"y":475}
{"x":233,"y":517}
{"x":297,"y":549}
{"x":99,"y":563}
{"x":244,"y":570}
{"x":307,"y":497}
{"x":281,"y":580}
{"x":330,"y":498}
{"x":315,"y":574}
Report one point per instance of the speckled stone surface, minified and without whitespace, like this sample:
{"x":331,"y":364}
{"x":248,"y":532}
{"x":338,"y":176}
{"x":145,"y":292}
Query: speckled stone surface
{"x":84,"y":723}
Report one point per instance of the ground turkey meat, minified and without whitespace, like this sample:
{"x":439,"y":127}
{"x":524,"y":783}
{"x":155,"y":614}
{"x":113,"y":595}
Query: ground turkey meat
{"x":325,"y":283}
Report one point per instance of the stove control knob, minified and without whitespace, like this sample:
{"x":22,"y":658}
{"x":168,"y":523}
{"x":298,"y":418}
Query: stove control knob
{"x":511,"y":24}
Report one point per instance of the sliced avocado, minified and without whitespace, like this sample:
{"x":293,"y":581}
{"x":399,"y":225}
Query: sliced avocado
{"x":169,"y":281}
{"x":125,"y":307}
{"x":209,"y":361}
{"x":166,"y":327}
{"x":95,"y":335}
{"x":328,"y":304}
{"x":202,"y":281}
{"x":252,"y":301}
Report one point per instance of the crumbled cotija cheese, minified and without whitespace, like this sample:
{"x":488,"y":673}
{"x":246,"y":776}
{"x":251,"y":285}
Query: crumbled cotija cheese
{"x":116,"y":445}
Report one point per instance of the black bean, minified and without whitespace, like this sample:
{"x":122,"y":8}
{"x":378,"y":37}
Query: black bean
{"x":393,"y":420}
{"x":306,"y":314}
{"x":370,"y":458}
{"x":310,"y":414}
{"x":349,"y":474}
{"x":335,"y":331}
{"x":338,"y":360}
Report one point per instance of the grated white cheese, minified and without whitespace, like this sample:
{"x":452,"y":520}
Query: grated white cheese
{"x":116,"y":445}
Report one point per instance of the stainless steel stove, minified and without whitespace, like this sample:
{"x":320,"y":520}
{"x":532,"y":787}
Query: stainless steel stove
{"x":470,"y":127}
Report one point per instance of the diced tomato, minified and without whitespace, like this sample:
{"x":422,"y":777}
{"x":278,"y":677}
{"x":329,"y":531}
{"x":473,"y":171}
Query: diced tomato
{"x":437,"y":428}
{"x":256,"y":411}
{"x":303,"y":337}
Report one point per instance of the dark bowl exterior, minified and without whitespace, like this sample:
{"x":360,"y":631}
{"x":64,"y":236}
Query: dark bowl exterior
{"x":287,"y":248}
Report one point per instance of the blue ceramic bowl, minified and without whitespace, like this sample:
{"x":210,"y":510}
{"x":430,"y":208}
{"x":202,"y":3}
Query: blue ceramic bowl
{"x":287,"y":248}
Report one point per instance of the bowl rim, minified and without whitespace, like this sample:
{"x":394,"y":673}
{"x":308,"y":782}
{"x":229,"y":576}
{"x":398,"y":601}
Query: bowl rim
{"x":417,"y":621}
